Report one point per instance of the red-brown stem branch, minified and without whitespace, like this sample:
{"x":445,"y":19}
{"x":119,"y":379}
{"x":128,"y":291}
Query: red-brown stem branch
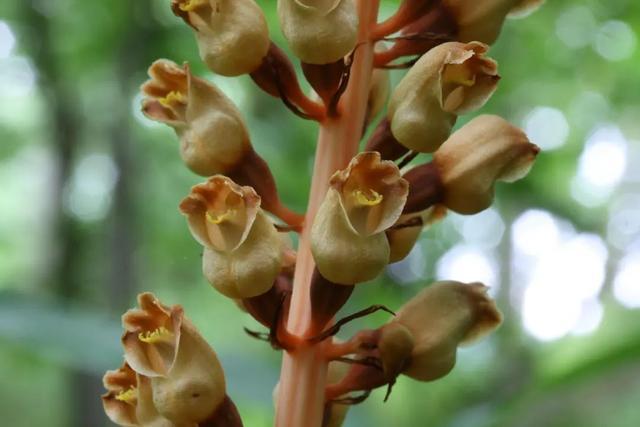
{"x":303,"y":377}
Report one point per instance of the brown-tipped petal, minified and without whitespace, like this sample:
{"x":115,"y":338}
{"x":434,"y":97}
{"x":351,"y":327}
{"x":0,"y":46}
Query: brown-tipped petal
{"x":383,"y":141}
{"x":372,"y":193}
{"x":251,"y":268}
{"x":220,"y":213}
{"x":232,"y":35}
{"x":152,"y":336}
{"x":486,"y":150}
{"x":277,"y":76}
{"x":442,"y":317}
{"x":326,"y":299}
{"x":343,"y":255}
{"x":194,"y":387}
{"x":450,"y":79}
{"x":121,"y":398}
{"x":325,"y":78}
{"x":265,"y":307}
{"x":425,"y":188}
{"x":319,"y":31}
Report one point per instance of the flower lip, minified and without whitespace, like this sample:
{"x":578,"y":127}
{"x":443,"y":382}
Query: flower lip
{"x":166,"y":92}
{"x":152,"y":335}
{"x":468,"y":78}
{"x":220,"y":213}
{"x":372,"y":192}
{"x":121,"y":398}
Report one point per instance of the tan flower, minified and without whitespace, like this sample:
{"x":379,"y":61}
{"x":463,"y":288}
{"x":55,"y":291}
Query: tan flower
{"x":187,"y":381}
{"x":319,"y":31}
{"x":451,"y":79}
{"x":347,"y":236}
{"x":483,"y":20}
{"x":232,"y":35}
{"x":423,"y":338}
{"x":485,"y":150}
{"x":243,"y":250}
{"x":213,"y":136}
{"x":129,"y":400}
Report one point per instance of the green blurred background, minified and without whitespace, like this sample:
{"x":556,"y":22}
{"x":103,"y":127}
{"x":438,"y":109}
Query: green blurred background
{"x":88,"y":218}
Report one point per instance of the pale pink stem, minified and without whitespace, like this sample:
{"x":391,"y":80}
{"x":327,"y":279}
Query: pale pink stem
{"x":303,"y":376}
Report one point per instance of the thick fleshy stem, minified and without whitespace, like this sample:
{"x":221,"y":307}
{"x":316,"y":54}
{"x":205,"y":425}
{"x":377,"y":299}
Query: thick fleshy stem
{"x":301,"y":397}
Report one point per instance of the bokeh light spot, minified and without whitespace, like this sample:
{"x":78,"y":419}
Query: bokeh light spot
{"x":547,"y":127}
{"x":615,"y":41}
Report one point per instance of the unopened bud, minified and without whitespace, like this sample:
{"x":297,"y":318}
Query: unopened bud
{"x":347,"y":236}
{"x":187,"y":381}
{"x":485,"y":150}
{"x":319,"y":31}
{"x":439,"y":319}
{"x":243,"y":251}
{"x":213,"y":136}
{"x":232,"y":35}
{"x":451,"y":79}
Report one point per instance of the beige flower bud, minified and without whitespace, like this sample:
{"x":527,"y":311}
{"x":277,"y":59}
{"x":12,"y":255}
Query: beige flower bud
{"x":451,"y":79}
{"x":485,"y":150}
{"x":243,"y":250}
{"x":319,"y":31}
{"x":129,"y":399}
{"x":232,"y":35}
{"x":482,"y":21}
{"x":186,"y":378}
{"x":347,"y":236}
{"x":439,"y":319}
{"x":213,"y":136}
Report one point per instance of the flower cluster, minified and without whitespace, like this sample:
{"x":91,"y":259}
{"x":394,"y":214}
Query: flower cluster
{"x":366,"y":209}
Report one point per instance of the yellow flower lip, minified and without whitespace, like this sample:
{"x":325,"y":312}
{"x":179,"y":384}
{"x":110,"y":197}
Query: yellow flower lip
{"x":219,"y":219}
{"x":191,"y":5}
{"x":172,"y":98}
{"x":128,"y":396}
{"x":368,"y":197}
{"x":160,"y":334}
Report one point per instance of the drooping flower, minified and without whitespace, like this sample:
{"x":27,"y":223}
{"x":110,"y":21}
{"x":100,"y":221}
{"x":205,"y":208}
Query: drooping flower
{"x":422,"y":340}
{"x":243,"y":252}
{"x":319,"y":31}
{"x":449,"y":80}
{"x":212,"y":133}
{"x":347,"y":236}
{"x":485,"y":150}
{"x":232,"y":35}
{"x":186,"y":379}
